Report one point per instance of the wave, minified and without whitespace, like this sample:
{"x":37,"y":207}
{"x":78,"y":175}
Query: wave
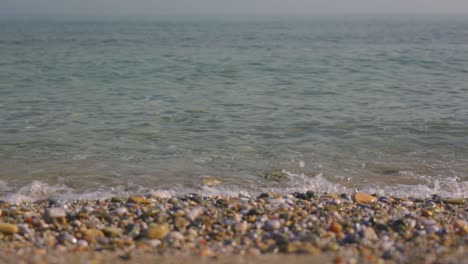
{"x":38,"y":190}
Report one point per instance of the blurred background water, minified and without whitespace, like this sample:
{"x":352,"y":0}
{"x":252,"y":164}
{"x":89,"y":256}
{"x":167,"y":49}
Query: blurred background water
{"x":365,"y":102}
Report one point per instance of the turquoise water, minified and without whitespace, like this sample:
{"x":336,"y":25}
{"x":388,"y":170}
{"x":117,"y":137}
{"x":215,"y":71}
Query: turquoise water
{"x":378,"y":104}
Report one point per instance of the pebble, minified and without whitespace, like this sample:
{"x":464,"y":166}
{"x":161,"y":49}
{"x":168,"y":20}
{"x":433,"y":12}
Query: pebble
{"x":82,"y":243}
{"x":175,"y":235}
{"x":460,"y":201}
{"x":426,"y":213}
{"x":364,"y":198}
{"x":335,"y":227}
{"x":154,"y":243}
{"x":91,"y":235}
{"x":8,"y":229}
{"x":138,"y":200}
{"x":112,"y":232}
{"x":299,"y":223}
{"x":66,"y":238}
{"x":120,"y":211}
{"x":407,"y":203}
{"x":211,"y":181}
{"x":369,"y":233}
{"x":56,"y":212}
{"x":194,"y":213}
{"x":158,"y":231}
{"x":272,"y":225}
{"x":206,"y":252}
{"x":385,"y":199}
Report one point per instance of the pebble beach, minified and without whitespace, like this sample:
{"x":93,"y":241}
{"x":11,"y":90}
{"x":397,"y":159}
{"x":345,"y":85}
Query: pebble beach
{"x":269,"y":228}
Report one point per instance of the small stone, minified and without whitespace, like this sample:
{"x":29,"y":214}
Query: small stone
{"x":426,"y":213}
{"x":276,"y":175}
{"x":158,"y":231}
{"x":272,"y":225}
{"x":211,"y":181}
{"x":242,"y":227}
{"x":345,"y":196}
{"x":61,"y":248}
{"x":432,"y":229}
{"x":386,"y":199}
{"x":90,"y":235}
{"x":461,"y":227}
{"x":118,"y":200}
{"x":369,"y":233}
{"x":364,"y":198}
{"x":335,"y":227}
{"x":54,"y":213}
{"x":407,"y":203}
{"x":154,"y":243}
{"x":120,"y":211}
{"x":180,"y":222}
{"x":311,"y":195}
{"x":175,"y":236}
{"x":66,"y":238}
{"x":301,"y":196}
{"x":82,"y":243}
{"x":194,"y":213}
{"x":351,"y":238}
{"x":206,"y":252}
{"x":460,"y":201}
{"x":88,"y":209}
{"x":138,"y":200}
{"x":76,"y":223}
{"x":112,"y":232}
{"x":8,"y":229}
{"x":333,"y":207}
{"x":254,"y":252}
{"x":387,"y":254}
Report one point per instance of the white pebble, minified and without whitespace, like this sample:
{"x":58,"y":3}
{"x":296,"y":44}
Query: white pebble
{"x":174,"y":235}
{"x":194,"y":213}
{"x":154,"y":242}
{"x":272,"y":225}
{"x":121,"y":211}
{"x":56,"y":212}
{"x":82,"y":243}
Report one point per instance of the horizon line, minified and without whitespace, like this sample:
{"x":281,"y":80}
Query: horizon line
{"x":234,"y":14}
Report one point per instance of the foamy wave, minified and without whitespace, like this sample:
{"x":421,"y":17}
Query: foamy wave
{"x":450,"y":187}
{"x":36,"y":190}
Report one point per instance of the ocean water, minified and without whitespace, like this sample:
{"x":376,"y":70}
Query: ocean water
{"x":92,"y":107}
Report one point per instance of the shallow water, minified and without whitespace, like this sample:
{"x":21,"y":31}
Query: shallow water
{"x":100,"y":106}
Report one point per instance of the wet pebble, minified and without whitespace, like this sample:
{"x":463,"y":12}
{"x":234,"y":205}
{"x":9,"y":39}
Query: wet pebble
{"x":364,"y":198}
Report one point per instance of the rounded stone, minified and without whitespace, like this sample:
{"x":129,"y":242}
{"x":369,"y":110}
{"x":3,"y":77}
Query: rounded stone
{"x":8,"y":229}
{"x":364,"y":198}
{"x":138,"y":200}
{"x":156,"y":231}
{"x":56,"y":212}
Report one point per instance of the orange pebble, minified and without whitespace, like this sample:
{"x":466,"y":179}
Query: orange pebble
{"x":335,"y":227}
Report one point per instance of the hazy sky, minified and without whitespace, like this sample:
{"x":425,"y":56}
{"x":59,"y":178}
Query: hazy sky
{"x":230,"y":6}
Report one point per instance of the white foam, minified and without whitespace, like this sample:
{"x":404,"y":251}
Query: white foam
{"x":303,"y":183}
{"x":37,"y":190}
{"x":4,"y":186}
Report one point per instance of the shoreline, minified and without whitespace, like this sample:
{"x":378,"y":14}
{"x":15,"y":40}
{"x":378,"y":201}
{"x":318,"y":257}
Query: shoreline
{"x":273,"y":228}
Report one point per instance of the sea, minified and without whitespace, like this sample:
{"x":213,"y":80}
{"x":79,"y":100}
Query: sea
{"x":94,"y":107}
